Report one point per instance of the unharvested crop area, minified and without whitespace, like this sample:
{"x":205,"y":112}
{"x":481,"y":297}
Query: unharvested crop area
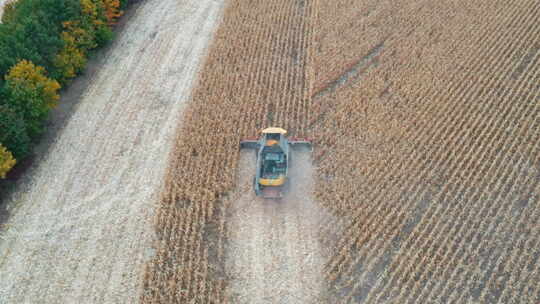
{"x":425,"y":116}
{"x":428,"y":139}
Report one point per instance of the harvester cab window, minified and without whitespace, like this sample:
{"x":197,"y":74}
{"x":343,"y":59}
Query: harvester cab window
{"x":273,"y":136}
{"x":273,"y":156}
{"x":274,"y":164}
{"x":280,"y":168}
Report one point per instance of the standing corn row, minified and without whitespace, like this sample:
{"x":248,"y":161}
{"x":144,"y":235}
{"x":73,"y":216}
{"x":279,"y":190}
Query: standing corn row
{"x":425,"y":116}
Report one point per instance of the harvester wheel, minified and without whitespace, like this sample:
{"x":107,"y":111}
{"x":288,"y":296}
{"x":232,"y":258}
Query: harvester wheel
{"x":255,"y":185}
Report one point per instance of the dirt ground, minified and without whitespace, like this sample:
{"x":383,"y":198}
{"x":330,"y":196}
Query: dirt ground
{"x":274,"y":255}
{"x":81,"y":220}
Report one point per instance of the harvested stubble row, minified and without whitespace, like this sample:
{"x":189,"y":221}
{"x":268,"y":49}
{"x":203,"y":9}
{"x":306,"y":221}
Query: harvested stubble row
{"x":432,"y":151}
{"x":253,"y":78}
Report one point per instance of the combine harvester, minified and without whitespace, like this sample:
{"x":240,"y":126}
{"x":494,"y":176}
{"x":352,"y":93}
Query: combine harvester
{"x":273,"y":161}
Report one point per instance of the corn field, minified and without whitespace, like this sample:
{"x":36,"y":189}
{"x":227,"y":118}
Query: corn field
{"x":425,"y":117}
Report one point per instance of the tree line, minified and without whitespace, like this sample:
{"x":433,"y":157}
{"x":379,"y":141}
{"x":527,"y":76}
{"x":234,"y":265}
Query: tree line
{"x":43,"y":45}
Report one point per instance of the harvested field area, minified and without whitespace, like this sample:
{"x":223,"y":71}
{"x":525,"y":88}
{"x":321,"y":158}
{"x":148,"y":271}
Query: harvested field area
{"x":81,"y":223}
{"x":274,"y":255}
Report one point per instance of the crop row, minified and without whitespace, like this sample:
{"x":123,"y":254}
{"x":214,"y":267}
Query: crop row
{"x":430,"y":155}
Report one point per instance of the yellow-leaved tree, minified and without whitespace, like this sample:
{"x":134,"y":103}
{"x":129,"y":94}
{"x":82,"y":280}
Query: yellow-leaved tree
{"x":72,"y":58}
{"x":89,"y":9}
{"x":112,"y":10}
{"x":80,"y":36}
{"x":6,"y":161}
{"x":93,"y":12}
{"x":31,"y":94}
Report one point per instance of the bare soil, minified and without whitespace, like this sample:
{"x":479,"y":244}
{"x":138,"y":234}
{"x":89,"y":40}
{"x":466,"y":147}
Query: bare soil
{"x":274,"y":254}
{"x":80,"y":227}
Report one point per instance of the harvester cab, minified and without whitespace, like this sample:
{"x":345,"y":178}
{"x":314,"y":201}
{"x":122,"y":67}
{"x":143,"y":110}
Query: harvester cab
{"x":273,"y":161}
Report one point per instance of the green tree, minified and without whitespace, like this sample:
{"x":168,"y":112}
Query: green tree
{"x":29,"y":92}
{"x":13,"y":133}
{"x":124,"y":4}
{"x":32,"y":32}
{"x":95,"y":19}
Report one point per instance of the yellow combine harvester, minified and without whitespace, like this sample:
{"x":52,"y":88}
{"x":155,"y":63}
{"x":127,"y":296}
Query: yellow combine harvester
{"x":273,"y":161}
